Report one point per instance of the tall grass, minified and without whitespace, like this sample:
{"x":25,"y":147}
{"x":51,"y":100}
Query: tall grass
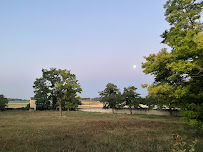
{"x":45,"y":131}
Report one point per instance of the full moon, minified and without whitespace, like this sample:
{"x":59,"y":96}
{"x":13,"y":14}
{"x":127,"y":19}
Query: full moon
{"x":134,"y":66}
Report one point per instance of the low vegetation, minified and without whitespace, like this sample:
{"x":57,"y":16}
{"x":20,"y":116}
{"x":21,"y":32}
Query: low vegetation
{"x":45,"y":131}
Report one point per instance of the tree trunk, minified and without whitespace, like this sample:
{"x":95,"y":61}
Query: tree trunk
{"x":131,"y":110}
{"x":171,"y":112}
{"x":112,"y":110}
{"x":60,"y":109}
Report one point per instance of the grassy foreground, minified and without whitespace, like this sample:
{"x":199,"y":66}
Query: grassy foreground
{"x":45,"y":131}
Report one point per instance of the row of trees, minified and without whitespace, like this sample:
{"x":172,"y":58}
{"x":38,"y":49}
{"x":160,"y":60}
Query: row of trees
{"x":178,"y":74}
{"x":112,"y":97}
{"x":57,"y":89}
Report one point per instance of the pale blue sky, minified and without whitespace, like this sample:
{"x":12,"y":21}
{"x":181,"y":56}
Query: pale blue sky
{"x":98,"y":40}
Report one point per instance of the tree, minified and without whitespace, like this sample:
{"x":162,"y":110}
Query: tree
{"x":66,"y":88}
{"x":130,"y":97}
{"x":3,"y":102}
{"x":42,"y":93}
{"x":73,"y":103}
{"x":110,"y":96}
{"x":151,"y":102}
{"x":57,"y":85}
{"x":178,"y":73}
{"x":162,"y":88}
{"x":165,"y":96}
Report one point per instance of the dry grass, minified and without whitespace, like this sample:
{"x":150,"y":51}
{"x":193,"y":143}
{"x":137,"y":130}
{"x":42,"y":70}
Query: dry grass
{"x":83,"y":131}
{"x":85,"y":104}
{"x":17,"y":104}
{"x":90,"y":104}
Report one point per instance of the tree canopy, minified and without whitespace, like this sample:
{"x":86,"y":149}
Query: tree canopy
{"x":57,"y":86}
{"x":110,"y":96}
{"x":178,"y":73}
{"x":131,"y":97}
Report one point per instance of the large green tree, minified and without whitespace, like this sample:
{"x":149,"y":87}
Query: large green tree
{"x":43,"y":89}
{"x":131,"y":97}
{"x":110,"y":96}
{"x":59,"y":86}
{"x":42,"y":94}
{"x":66,"y":88}
{"x":3,"y":102}
{"x":178,"y":73}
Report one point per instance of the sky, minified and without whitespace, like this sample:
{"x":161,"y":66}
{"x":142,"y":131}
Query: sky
{"x":98,"y":40}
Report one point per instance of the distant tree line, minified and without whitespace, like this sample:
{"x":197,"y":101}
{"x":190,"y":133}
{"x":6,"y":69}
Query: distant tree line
{"x":85,"y":98}
{"x":16,"y":99}
{"x":111,"y":97}
{"x":94,"y":99}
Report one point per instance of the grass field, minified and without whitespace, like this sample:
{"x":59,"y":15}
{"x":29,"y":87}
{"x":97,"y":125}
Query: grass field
{"x":90,"y":104}
{"x":45,"y":131}
{"x":85,"y":104}
{"x":17,"y":104}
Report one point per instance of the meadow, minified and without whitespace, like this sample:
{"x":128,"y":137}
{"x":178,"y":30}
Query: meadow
{"x":46,"y":131}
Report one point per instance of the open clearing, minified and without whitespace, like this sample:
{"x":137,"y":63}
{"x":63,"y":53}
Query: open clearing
{"x":45,"y":131}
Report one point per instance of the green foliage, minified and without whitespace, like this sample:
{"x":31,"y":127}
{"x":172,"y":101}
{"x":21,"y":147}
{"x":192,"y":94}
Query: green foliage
{"x":16,"y":99}
{"x":150,"y":101}
{"x":110,"y":96}
{"x":178,"y":74}
{"x":54,"y":86}
{"x":96,"y":99}
{"x":156,"y":65}
{"x":3,"y":102}
{"x":182,"y":146}
{"x":144,"y":85}
{"x":72,"y":103}
{"x":130,"y":97}
{"x":28,"y":106}
{"x":43,"y":90}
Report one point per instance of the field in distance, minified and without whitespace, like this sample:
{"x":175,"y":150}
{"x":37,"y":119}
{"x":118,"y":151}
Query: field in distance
{"x":18,"y":104}
{"x":46,"y":131}
{"x":85,"y":104}
{"x":90,"y":104}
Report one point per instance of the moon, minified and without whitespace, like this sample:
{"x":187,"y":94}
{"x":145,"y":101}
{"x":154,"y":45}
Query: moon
{"x":134,"y":66}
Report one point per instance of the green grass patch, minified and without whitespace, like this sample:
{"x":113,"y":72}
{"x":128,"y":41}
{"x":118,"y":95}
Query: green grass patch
{"x":45,"y":131}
